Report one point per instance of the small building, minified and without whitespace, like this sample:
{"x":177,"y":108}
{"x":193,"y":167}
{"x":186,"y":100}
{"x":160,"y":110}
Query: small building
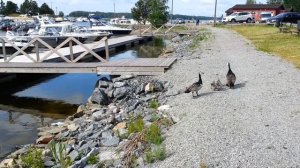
{"x":256,"y":9}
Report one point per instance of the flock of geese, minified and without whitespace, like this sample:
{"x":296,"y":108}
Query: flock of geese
{"x":195,"y":87}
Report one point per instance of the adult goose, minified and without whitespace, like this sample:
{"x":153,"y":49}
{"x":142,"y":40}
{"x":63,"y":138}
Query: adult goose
{"x":230,"y":77}
{"x":195,"y":87}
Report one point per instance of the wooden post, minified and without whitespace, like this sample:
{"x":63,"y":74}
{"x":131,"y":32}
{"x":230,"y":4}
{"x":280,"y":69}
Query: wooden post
{"x":3,"y":50}
{"x":36,"y":44}
{"x":71,"y":51}
{"x":106,"y":49}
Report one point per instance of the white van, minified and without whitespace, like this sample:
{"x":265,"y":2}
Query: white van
{"x":264,"y":16}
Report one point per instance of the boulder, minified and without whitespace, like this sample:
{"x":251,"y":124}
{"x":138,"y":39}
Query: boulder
{"x":149,"y":87}
{"x":121,"y":92}
{"x":44,"y":139}
{"x":121,"y":125}
{"x":99,"y":96}
{"x":123,"y":77}
{"x":119,"y":84}
{"x":158,"y":86}
{"x":49,"y":163}
{"x":73,"y":127}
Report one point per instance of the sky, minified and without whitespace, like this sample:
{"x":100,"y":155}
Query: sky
{"x":184,"y":7}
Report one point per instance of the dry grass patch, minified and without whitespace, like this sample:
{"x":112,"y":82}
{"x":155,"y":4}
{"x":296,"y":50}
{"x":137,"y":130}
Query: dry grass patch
{"x":268,"y":39}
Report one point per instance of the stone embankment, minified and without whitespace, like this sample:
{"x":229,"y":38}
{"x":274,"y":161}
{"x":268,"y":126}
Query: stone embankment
{"x":103,"y":132}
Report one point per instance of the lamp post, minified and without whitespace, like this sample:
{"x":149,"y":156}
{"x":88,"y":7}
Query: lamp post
{"x":215,"y":15}
{"x":172,"y":13}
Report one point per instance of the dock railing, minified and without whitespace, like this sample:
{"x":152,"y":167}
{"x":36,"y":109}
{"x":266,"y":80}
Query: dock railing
{"x":38,"y":58}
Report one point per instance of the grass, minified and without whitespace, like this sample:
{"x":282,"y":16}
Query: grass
{"x":202,"y":35}
{"x":268,"y":39}
{"x":153,"y":135}
{"x":33,"y":159}
{"x":136,"y":125}
{"x":93,"y":159}
{"x":157,"y":154}
{"x":154,"y":104}
{"x":58,"y":151}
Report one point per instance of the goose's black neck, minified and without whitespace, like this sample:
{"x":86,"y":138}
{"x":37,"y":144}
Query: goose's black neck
{"x":229,"y":66}
{"x":200,"y":80}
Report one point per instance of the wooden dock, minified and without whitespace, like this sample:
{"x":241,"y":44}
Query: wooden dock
{"x":139,"y":66}
{"x":68,"y":59}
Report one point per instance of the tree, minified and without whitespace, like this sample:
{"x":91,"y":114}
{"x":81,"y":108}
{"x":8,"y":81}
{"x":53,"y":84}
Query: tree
{"x":2,"y":7}
{"x":158,"y":12}
{"x":141,"y":11}
{"x":45,"y":9}
{"x":274,"y":1}
{"x":61,"y":14}
{"x":250,"y":2}
{"x":292,"y":4}
{"x":29,"y":7}
{"x":10,"y":8}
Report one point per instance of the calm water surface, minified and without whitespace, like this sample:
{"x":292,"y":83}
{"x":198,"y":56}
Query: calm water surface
{"x":30,"y":101}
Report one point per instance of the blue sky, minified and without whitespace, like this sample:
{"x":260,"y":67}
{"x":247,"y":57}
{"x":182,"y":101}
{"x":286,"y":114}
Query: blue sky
{"x":186,"y":7}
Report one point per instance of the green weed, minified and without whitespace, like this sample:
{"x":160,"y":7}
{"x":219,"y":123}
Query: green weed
{"x":153,"y":135}
{"x":153,"y":104}
{"x":136,"y":125}
{"x":58,"y":151}
{"x":93,"y":159}
{"x":33,"y":159}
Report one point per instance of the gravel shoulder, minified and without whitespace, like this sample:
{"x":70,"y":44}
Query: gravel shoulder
{"x":254,"y":125}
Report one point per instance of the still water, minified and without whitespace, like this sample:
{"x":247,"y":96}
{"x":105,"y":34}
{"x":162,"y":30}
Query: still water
{"x":31,"y":101}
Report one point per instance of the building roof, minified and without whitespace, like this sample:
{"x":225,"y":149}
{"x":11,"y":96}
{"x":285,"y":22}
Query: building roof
{"x":255,"y":7}
{"x":258,"y":6}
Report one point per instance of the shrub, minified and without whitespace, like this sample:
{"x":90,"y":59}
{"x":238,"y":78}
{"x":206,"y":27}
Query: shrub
{"x":58,"y":151}
{"x":136,"y":126}
{"x":154,"y":104}
{"x":153,"y":135}
{"x":93,"y":159}
{"x":33,"y":159}
{"x":158,"y":153}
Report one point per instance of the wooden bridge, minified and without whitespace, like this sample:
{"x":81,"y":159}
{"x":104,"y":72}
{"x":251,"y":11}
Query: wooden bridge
{"x":69,"y":59}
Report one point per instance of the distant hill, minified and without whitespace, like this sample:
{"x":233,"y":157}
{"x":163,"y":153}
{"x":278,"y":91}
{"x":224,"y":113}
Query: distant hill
{"x":128,"y":15}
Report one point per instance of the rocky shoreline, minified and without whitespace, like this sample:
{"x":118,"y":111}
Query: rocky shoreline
{"x":107,"y":130}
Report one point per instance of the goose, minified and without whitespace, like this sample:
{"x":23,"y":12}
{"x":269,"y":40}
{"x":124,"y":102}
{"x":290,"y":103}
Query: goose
{"x":217,"y":85}
{"x":230,"y":77}
{"x":195,"y":87}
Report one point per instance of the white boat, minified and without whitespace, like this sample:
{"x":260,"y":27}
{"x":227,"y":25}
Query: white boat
{"x":55,"y":34}
{"x":100,"y":26}
{"x":19,"y":41}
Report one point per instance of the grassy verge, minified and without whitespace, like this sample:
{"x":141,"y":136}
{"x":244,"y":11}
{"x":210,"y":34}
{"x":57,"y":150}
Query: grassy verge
{"x":268,"y":39}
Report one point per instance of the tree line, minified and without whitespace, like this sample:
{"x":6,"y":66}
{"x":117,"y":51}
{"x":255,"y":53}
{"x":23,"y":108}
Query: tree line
{"x":294,"y":5}
{"x":29,"y":7}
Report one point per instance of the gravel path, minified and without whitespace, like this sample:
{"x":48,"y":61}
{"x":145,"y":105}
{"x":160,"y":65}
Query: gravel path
{"x":257,"y":124}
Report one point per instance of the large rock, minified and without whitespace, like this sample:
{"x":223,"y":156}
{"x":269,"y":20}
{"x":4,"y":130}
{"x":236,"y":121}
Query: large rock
{"x":73,"y":127}
{"x":108,"y":140}
{"x":176,"y":39}
{"x":44,"y":139}
{"x":99,"y":115}
{"x":121,"y":125}
{"x":99,"y":96}
{"x":83,"y":161}
{"x":123,"y":77}
{"x":121,"y":92}
{"x":158,"y":86}
{"x":119,"y":84}
{"x":8,"y":163}
{"x":108,"y":155}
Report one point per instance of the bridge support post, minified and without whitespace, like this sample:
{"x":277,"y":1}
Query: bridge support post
{"x":71,"y":51}
{"x":106,"y":49}
{"x":36,"y":44}
{"x":3,"y":50}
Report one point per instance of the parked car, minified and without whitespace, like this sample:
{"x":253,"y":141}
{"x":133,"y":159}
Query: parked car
{"x":264,"y":16}
{"x":288,"y":17}
{"x":179,"y":21}
{"x":239,"y":17}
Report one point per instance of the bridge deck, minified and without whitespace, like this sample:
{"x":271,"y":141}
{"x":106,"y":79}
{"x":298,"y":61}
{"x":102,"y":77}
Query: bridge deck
{"x":139,"y":66}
